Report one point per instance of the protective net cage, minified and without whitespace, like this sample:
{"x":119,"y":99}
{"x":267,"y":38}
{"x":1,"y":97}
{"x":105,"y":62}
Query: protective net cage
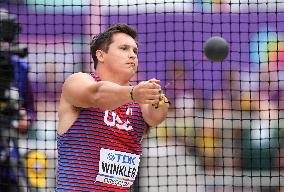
{"x":224,"y":129}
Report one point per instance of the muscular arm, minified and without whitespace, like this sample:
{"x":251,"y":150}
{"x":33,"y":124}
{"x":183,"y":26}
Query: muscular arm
{"x":81,"y":90}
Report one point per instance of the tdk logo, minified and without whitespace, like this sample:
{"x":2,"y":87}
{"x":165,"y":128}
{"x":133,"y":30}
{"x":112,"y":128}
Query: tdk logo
{"x":119,"y":158}
{"x":111,"y":156}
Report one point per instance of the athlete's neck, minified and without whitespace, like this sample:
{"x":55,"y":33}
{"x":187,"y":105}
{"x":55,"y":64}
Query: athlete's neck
{"x":115,"y":78}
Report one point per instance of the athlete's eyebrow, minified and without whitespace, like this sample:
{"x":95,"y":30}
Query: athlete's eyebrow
{"x":135,"y":48}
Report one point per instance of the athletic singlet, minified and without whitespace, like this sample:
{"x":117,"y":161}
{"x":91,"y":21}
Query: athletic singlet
{"x":101,"y":150}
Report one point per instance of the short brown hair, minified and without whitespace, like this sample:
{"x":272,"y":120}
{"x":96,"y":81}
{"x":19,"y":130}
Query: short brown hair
{"x":104,"y":39}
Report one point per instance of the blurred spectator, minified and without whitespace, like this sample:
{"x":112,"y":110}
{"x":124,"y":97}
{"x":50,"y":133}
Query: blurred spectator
{"x":22,"y":82}
{"x":260,"y":138}
{"x":210,"y":134}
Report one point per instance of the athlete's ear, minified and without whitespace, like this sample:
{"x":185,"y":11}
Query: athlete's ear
{"x":100,"y":55}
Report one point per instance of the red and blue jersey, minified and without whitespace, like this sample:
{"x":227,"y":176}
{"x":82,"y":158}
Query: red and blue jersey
{"x":101,"y":150}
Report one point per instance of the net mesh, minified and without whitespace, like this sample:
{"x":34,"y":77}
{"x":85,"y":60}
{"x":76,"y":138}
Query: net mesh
{"x":224,"y":130}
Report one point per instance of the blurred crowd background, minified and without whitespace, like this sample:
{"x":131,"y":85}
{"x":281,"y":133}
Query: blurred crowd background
{"x":224,"y":131}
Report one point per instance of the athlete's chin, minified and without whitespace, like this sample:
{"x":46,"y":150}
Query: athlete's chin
{"x":127,"y":71}
{"x":130,"y":71}
{"x":130,"y":74}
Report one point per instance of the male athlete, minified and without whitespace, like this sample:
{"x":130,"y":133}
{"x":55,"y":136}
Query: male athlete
{"x":102,"y":118}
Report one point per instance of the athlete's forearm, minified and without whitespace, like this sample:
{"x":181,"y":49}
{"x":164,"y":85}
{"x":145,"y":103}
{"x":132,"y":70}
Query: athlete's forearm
{"x":108,"y":95}
{"x":155,"y":115}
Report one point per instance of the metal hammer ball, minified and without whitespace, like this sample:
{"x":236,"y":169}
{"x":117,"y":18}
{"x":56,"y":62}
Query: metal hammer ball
{"x":216,"y":49}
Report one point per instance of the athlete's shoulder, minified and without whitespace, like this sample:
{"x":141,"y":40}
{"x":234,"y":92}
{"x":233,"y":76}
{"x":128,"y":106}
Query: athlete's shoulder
{"x":80,"y":75}
{"x":79,"y":78}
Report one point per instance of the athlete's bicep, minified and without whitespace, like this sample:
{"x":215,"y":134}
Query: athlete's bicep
{"x":76,"y":89}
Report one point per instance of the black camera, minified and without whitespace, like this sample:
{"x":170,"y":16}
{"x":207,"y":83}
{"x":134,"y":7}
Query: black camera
{"x":9,"y":30}
{"x":9,"y":27}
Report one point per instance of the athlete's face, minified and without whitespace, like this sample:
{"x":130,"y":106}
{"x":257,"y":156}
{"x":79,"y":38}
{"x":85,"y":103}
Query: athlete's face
{"x":121,"y":57}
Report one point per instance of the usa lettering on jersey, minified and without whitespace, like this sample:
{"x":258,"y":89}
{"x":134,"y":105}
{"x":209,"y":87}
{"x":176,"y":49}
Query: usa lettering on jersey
{"x":116,"y":121}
